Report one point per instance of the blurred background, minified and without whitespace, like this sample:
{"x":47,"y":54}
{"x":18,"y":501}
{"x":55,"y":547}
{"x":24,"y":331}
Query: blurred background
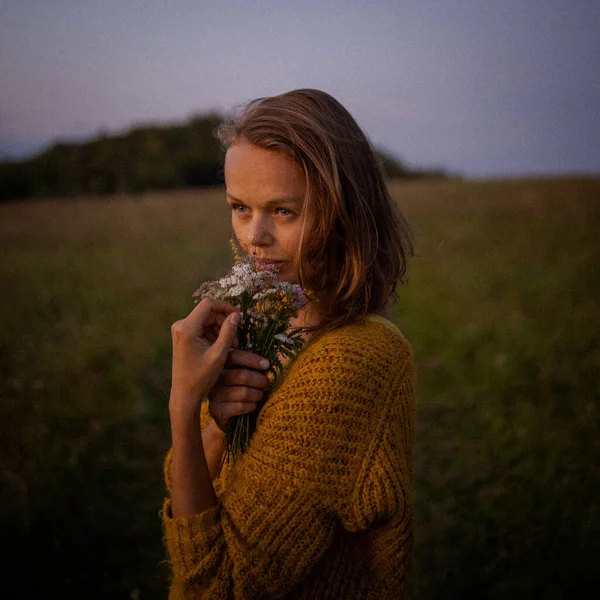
{"x":486,"y":117}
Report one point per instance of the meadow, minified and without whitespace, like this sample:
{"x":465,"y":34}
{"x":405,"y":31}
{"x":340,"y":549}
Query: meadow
{"x":502,"y":309}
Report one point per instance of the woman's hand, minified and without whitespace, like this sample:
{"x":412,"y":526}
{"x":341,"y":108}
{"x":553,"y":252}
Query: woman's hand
{"x":239,"y":388}
{"x":196,"y":363}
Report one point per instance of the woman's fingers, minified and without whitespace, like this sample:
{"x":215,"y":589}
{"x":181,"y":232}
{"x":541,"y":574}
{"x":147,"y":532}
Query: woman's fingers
{"x":240,"y":358}
{"x":197,"y":365}
{"x":225,"y":341}
{"x":222,"y":413}
{"x":220,"y":318}
{"x":213,"y":320}
{"x":235,"y":394}
{"x":243,"y":377}
{"x":226,"y":402}
{"x":240,"y":408}
{"x":210,"y":336}
{"x":207,"y":313}
{"x":212,"y":332}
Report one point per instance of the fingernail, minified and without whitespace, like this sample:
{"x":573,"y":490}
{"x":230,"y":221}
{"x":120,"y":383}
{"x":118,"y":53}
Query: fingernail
{"x":235,"y":318}
{"x":264,"y":363}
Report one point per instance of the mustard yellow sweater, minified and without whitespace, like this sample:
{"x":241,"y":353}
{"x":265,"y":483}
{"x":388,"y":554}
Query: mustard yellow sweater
{"x":320,"y":506}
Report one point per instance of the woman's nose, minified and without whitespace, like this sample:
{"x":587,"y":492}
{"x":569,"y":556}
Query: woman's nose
{"x":260,"y":233}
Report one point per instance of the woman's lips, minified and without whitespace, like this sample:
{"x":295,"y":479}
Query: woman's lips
{"x":264,"y":263}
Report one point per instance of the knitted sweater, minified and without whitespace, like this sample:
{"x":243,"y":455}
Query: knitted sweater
{"x":320,"y":506}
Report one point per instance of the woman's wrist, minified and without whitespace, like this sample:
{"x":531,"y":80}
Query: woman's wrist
{"x":183,"y":403}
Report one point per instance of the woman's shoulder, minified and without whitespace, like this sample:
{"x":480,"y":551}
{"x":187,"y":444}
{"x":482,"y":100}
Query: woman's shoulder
{"x":371,"y":340}
{"x":368,"y":354}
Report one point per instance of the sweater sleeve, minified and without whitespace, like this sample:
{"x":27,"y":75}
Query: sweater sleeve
{"x":285,"y":498}
{"x":383,"y":490}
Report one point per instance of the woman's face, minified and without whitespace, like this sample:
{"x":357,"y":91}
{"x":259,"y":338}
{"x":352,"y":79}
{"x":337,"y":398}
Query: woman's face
{"x":266,"y":190}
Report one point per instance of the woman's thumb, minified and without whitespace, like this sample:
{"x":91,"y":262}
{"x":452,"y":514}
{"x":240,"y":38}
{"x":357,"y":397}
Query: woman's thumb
{"x":227,"y":334}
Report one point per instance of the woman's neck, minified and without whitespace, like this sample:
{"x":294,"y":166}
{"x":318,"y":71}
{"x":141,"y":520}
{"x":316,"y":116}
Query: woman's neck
{"x":310,"y":317}
{"x":307,"y":317}
{"x":386,"y":313}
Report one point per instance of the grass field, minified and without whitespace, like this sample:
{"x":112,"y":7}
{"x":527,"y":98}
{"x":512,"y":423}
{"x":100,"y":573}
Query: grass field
{"x":503,"y":313}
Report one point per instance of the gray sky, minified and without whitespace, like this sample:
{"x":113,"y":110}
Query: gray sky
{"x":484,"y":88}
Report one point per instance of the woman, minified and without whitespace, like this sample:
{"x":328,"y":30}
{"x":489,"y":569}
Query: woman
{"x":320,"y":504}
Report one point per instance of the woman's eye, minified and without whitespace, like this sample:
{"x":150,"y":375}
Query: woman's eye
{"x":284,"y":212}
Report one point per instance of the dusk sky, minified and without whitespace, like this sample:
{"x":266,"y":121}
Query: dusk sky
{"x":483,"y":88}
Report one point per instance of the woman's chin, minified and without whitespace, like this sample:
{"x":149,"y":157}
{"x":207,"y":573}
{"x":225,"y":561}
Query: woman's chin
{"x":285,"y":276}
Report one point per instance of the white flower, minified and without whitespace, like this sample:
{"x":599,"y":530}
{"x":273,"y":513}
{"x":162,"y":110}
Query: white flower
{"x":236,"y":290}
{"x":281,"y":337}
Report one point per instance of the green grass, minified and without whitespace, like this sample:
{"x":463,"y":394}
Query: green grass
{"x":502,"y":310}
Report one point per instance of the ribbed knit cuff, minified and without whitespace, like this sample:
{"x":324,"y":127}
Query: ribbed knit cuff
{"x":193,"y":543}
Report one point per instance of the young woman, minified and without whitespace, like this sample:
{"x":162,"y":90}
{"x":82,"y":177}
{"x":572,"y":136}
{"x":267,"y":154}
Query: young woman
{"x":320,"y":506}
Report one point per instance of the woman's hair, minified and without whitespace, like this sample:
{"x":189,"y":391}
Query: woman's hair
{"x":355,"y":254}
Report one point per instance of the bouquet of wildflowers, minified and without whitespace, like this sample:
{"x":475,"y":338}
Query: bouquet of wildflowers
{"x":266,"y":306}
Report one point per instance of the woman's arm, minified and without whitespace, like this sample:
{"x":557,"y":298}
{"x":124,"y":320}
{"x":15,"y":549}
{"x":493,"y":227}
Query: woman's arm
{"x":196,"y":366}
{"x":197,"y":371}
{"x":192,"y":491}
{"x":213,"y":441}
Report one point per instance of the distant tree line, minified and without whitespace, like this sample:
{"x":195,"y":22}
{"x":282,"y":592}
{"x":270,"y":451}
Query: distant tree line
{"x":144,"y":158}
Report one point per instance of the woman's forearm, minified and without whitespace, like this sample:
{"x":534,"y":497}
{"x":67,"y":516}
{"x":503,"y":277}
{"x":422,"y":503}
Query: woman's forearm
{"x":196,"y":367}
{"x":192,"y":489}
